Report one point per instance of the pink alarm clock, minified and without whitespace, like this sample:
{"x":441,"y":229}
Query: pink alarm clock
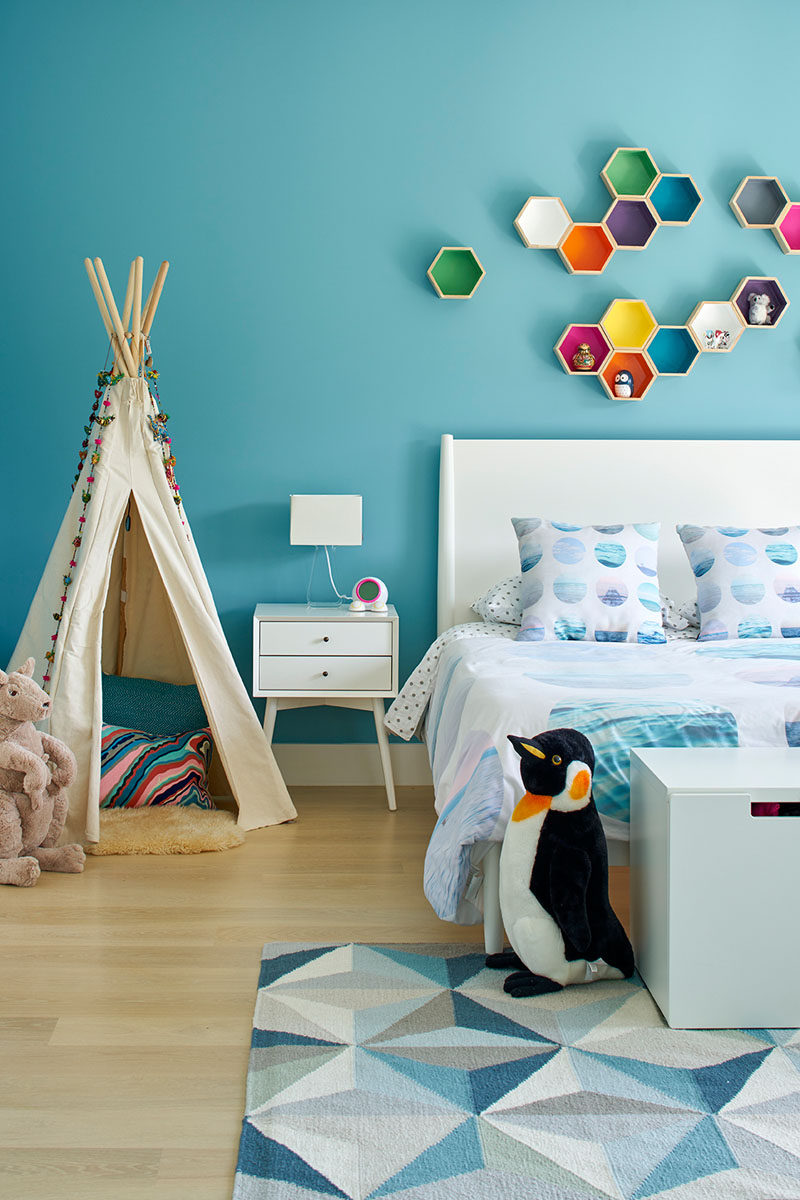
{"x":369,"y":593}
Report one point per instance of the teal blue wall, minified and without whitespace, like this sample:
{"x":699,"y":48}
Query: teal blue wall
{"x":300,"y":163}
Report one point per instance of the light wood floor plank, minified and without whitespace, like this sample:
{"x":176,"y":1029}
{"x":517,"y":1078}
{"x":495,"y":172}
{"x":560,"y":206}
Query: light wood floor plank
{"x":127,"y":993}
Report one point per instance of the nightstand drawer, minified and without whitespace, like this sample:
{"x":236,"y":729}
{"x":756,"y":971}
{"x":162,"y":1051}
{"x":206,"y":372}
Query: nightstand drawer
{"x":323,"y":673}
{"x":322,"y":637}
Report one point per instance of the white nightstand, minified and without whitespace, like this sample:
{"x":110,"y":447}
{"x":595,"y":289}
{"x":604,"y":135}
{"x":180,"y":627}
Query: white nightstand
{"x":304,"y":655}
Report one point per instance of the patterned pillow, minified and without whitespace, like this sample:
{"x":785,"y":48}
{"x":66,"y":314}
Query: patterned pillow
{"x":593,"y":583}
{"x":748,"y":580}
{"x":502,"y":602}
{"x":137,"y":770}
{"x":148,"y":704}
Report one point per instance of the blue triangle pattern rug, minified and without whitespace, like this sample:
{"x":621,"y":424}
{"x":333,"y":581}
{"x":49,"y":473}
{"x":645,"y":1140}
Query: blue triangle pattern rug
{"x":407,"y":1072}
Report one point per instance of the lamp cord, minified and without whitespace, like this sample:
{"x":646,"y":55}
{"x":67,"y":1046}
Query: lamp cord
{"x":330,"y":576}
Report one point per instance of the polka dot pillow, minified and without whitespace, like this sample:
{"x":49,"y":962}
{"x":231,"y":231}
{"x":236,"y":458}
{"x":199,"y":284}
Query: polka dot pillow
{"x":748,"y":580}
{"x":594,"y":583}
{"x":502,"y":603}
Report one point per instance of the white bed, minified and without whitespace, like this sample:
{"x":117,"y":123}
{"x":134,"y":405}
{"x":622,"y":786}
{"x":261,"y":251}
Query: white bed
{"x":483,"y":483}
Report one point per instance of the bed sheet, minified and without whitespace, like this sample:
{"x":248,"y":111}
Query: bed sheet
{"x":623,"y":695}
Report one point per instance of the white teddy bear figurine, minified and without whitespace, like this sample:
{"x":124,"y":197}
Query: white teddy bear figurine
{"x":761,"y":309}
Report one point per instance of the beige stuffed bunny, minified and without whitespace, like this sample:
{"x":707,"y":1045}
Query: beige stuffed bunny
{"x":35,"y":770}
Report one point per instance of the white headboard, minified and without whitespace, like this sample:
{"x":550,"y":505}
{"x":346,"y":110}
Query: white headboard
{"x":482,"y":484}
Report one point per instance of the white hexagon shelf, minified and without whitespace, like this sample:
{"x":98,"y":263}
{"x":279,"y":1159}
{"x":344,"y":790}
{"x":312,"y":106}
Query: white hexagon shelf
{"x":542,"y":222}
{"x":716,"y":325}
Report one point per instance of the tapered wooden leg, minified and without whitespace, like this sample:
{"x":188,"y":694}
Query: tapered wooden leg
{"x":270,"y":714}
{"x":383,"y":746}
{"x":493,"y":933}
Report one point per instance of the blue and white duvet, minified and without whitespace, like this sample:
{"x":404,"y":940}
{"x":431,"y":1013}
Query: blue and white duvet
{"x":620,"y":695}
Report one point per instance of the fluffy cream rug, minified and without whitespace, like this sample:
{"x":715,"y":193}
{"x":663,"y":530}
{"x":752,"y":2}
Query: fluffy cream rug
{"x":171,"y":829}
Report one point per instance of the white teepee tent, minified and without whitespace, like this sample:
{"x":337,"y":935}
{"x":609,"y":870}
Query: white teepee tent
{"x":124,"y":591}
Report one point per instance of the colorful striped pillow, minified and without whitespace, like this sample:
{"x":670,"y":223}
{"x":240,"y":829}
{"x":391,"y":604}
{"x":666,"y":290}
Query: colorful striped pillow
{"x":137,"y":770}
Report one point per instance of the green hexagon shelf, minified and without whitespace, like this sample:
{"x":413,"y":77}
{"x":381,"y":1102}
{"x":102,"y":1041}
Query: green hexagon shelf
{"x":642,"y":200}
{"x":629,"y":172}
{"x":456,"y":272}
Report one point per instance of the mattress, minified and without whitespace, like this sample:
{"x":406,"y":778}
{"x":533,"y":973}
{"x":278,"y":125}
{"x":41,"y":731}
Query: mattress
{"x":481,"y":686}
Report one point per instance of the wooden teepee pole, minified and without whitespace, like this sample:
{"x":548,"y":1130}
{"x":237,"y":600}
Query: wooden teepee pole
{"x":126,"y":313}
{"x":136,"y":339}
{"x":155,"y":296}
{"x":101,"y":304}
{"x":114,"y":314}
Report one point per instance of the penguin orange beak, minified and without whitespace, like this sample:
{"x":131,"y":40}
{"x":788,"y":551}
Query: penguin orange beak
{"x":530,"y":806}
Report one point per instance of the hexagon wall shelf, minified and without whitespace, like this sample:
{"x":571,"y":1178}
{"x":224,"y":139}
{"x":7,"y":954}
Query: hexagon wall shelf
{"x":787,"y":230}
{"x":629,"y":172}
{"x":582,"y":335}
{"x":640,"y":367}
{"x":764,"y":286}
{"x":761,"y":202}
{"x":455,"y":272}
{"x":631,"y":223}
{"x":642,"y":199}
{"x":628,"y":336}
{"x":542,"y":222}
{"x":675,"y":199}
{"x":758,"y":201}
{"x":629,"y":324}
{"x":673,"y":350}
{"x":586,"y":249}
{"x":716,"y":326}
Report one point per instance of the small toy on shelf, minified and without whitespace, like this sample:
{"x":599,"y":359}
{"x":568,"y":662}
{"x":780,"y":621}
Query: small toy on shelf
{"x":583,"y":359}
{"x":761,"y":308}
{"x":623,"y":385}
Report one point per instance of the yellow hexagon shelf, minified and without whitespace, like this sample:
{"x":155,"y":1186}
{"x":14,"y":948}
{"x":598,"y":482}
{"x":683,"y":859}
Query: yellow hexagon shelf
{"x":629,"y":324}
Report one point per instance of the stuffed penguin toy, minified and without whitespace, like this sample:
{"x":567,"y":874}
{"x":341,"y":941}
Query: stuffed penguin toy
{"x":554,"y":874}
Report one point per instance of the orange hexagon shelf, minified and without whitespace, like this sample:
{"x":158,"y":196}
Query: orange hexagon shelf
{"x":638,"y":364}
{"x":586,"y":248}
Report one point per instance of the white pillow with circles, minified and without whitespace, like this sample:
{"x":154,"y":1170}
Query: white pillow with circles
{"x":748,"y":580}
{"x":589,"y":583}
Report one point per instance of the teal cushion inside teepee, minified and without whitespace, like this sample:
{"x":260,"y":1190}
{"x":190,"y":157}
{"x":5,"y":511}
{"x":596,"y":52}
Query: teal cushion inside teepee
{"x":159,"y":709}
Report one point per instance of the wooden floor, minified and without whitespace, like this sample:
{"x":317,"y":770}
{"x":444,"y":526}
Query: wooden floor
{"x":127,"y":993}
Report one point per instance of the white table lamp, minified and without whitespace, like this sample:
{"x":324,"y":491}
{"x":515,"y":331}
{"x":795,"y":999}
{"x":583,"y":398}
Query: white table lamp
{"x":322,"y":522}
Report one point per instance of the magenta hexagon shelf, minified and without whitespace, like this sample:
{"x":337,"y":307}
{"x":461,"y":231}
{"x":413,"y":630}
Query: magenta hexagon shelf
{"x":787,"y":230}
{"x":576,"y":340}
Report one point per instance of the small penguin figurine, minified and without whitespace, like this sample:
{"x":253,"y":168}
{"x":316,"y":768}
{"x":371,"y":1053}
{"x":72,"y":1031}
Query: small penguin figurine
{"x":623,"y":385}
{"x":554,"y":874}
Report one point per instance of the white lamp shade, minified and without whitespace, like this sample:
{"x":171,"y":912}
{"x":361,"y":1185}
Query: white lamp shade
{"x":325,"y":521}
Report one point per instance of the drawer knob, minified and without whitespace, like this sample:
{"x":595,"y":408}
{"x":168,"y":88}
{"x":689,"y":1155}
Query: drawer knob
{"x":325,"y":673}
{"x":326,"y":639}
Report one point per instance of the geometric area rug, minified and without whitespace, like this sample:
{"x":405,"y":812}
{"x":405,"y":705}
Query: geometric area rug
{"x":406,"y":1071}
